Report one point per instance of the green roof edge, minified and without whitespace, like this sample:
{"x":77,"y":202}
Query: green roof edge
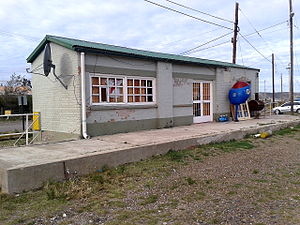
{"x":88,"y":46}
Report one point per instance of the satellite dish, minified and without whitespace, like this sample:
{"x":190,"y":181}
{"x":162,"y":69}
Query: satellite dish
{"x":47,"y":64}
{"x":47,"y":60}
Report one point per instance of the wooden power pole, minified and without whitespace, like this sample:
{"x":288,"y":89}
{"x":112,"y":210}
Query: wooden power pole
{"x":235,"y":32}
{"x":273,"y":80}
{"x":291,"y":59}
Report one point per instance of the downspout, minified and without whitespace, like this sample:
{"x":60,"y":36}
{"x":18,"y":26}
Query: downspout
{"x":83,"y":98}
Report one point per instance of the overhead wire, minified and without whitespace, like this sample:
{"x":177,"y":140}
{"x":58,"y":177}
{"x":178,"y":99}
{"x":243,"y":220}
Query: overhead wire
{"x":254,"y":47}
{"x":185,"y":14}
{"x":196,"y":10}
{"x":215,"y":39}
{"x":275,"y":25}
{"x":202,"y":49}
{"x":190,"y":38}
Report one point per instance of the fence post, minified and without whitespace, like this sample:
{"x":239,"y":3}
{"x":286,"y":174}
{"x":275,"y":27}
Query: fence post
{"x":26,"y":129}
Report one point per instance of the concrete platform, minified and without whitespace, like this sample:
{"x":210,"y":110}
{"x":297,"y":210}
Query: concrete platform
{"x":26,"y":168}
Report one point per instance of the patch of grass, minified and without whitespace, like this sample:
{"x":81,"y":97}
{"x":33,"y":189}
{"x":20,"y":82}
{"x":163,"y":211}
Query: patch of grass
{"x":237,"y":185}
{"x":149,"y":200}
{"x":177,"y":156}
{"x":190,"y":180}
{"x":260,"y":180}
{"x":287,"y":131}
{"x":232,"y":145}
{"x":231,"y":193}
{"x":117,"y":204}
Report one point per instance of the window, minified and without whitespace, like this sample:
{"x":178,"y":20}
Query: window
{"x":118,"y":89}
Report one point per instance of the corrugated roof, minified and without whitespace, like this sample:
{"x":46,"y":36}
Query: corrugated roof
{"x":87,"y":46}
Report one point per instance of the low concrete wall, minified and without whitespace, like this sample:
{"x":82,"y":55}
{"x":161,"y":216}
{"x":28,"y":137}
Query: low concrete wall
{"x":16,"y":180}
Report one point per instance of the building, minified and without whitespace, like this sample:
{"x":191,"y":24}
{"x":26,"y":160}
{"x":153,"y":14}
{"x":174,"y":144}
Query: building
{"x":127,"y":89}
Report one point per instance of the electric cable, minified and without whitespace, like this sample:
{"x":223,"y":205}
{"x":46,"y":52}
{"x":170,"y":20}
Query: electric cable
{"x":215,"y":39}
{"x":196,"y":10}
{"x":254,"y":47}
{"x":185,"y":14}
{"x":202,"y":49}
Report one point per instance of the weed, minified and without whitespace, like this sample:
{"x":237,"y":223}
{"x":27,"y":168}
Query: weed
{"x":149,"y":200}
{"x":237,"y":185}
{"x":260,"y":180}
{"x":255,"y":171}
{"x":190,"y":181}
{"x":117,"y":204}
{"x":232,"y":145}
{"x":286,"y":131}
{"x":97,"y":178}
{"x":177,"y":156}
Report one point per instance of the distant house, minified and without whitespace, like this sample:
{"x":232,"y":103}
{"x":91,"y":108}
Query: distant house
{"x":128,"y":89}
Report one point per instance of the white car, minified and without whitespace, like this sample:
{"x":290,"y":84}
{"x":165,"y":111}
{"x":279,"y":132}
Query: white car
{"x":286,"y":107}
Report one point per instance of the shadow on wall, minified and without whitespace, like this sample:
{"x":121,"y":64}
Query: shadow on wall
{"x":66,"y":69}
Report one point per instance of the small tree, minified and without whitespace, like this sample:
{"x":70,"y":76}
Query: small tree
{"x":17,"y":85}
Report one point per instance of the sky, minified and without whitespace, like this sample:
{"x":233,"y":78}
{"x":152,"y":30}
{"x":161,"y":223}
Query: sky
{"x":142,"y":25}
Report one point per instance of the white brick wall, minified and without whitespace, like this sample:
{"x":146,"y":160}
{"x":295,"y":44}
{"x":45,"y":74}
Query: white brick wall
{"x":59,"y":107}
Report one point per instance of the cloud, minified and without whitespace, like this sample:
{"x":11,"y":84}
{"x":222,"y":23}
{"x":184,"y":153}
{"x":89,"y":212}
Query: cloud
{"x":139,"y":24}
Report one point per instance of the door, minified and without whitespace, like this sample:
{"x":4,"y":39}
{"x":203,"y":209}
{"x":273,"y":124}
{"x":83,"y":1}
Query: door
{"x":202,"y":101}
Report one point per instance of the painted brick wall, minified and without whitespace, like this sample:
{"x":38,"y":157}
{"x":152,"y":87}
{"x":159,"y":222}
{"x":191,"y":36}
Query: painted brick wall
{"x":59,"y":107}
{"x":225,"y":80}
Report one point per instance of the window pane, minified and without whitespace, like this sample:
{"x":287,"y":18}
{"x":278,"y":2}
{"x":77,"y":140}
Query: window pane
{"x":136,"y":91}
{"x":95,"y":80}
{"x":130,"y":98}
{"x":103,"y":81}
{"x":143,"y":91}
{"x":136,"y":83}
{"x":143,"y":83}
{"x":150,"y":99}
{"x":149,"y":83}
{"x":112,"y":99}
{"x":119,"y":91}
{"x":95,"y":90}
{"x":112,"y":90}
{"x":120,"y":99}
{"x":206,"y":109}
{"x":149,"y":91}
{"x":111,"y":82}
{"x":95,"y":99}
{"x":103,"y":95}
{"x":130,"y":90}
{"x":119,"y":82}
{"x":143,"y":99}
{"x":129,"y":82}
{"x":137,"y":98}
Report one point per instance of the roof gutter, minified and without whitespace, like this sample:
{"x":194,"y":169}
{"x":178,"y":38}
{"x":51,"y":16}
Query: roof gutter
{"x":83,"y":97}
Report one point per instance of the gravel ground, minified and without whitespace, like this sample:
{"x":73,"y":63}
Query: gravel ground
{"x":259,"y":185}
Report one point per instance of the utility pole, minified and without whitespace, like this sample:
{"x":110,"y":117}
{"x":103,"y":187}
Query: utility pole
{"x":291,"y":59}
{"x":273,"y":81}
{"x":235,"y":32}
{"x":281,"y":87}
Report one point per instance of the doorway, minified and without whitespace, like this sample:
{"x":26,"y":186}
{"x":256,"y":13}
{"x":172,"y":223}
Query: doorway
{"x":202,"y":101}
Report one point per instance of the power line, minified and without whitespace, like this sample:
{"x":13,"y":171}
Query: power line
{"x":215,"y":39}
{"x":196,"y":10}
{"x":254,"y":47}
{"x":266,"y":28}
{"x":19,"y":35}
{"x":202,"y":49}
{"x":191,"y":38}
{"x":185,"y":14}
